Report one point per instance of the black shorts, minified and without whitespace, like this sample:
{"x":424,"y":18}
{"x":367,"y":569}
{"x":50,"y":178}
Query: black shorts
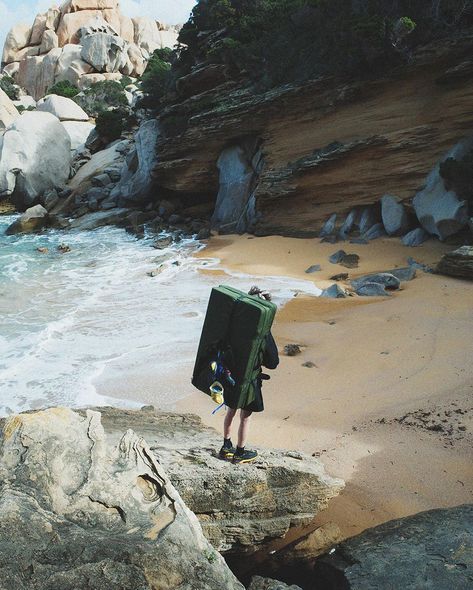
{"x":256,"y":405}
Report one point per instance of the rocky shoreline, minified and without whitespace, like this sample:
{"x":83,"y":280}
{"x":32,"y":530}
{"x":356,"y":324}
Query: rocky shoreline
{"x":87,"y":502}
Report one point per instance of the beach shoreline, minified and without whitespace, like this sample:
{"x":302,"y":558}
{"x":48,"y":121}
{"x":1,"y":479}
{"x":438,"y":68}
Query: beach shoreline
{"x":387,"y":404}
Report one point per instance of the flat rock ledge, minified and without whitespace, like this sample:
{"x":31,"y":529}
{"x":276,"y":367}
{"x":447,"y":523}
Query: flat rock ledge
{"x":85,"y":502}
{"x":239,"y":507}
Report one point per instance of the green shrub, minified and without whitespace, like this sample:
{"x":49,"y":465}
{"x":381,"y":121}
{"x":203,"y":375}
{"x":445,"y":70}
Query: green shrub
{"x":125,"y":81}
{"x":64,"y":88}
{"x":7,"y":84}
{"x":110,"y":125}
{"x":279,"y":41}
{"x":101,"y":96}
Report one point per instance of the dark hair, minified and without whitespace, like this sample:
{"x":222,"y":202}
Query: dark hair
{"x":259,"y":293}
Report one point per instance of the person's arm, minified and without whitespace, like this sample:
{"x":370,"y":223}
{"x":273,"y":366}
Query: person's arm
{"x":270,"y":356}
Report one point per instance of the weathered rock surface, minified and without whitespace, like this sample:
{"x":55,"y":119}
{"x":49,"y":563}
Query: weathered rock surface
{"x":239,"y":168}
{"x":135,"y":183}
{"x":63,"y":108}
{"x":415,"y":237}
{"x":17,"y":39}
{"x":32,"y":220}
{"x":238,"y":509}
{"x":334,"y":292}
{"x":8,"y":111}
{"x":396,"y":219}
{"x":458,"y":263}
{"x":440,"y":211}
{"x":389,"y":281}
{"x":78,"y":132}
{"x":35,"y":156}
{"x":431,"y":550}
{"x":80,"y":508}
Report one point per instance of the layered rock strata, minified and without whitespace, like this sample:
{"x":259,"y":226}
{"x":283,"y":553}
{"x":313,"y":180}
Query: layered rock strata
{"x":82,"y":42}
{"x":328,"y":146}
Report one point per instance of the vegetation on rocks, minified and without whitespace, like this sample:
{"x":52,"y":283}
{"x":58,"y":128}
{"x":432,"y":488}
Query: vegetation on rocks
{"x":279,"y":41}
{"x":64,"y":88}
{"x":157,"y":78}
{"x":110,"y":125}
{"x":101,"y":96}
{"x":7,"y":84}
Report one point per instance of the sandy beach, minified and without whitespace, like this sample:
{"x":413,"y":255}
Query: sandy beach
{"x":387,"y":406}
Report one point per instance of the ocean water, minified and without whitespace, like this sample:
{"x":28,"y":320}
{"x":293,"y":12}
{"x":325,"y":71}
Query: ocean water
{"x":69,"y":320}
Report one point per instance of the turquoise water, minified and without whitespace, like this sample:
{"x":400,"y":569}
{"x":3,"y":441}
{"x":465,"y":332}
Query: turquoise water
{"x":70,"y":320}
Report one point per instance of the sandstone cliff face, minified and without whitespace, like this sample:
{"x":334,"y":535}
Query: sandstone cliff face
{"x":83,"y":41}
{"x":328,"y":145}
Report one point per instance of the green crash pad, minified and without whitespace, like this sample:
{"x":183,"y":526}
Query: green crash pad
{"x":235,"y":329}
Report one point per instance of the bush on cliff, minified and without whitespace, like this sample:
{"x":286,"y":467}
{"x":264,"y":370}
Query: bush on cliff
{"x":278,"y":41}
{"x":110,"y":125}
{"x":157,"y":77}
{"x":7,"y":84}
{"x":64,"y":88}
{"x":101,"y":96}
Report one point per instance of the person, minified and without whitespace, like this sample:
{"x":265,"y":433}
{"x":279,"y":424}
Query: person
{"x":270,"y":360}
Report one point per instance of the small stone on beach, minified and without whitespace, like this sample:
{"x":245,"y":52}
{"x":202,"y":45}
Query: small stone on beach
{"x":313,"y":268}
{"x":292,"y":349}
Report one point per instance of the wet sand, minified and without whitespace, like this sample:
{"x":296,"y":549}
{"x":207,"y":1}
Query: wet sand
{"x":388,"y":404}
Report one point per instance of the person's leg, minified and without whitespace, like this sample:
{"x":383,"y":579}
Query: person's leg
{"x":227,"y":423}
{"x":243,"y":430}
{"x":227,"y":451}
{"x":241,"y":455}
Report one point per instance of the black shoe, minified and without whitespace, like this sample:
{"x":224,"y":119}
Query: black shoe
{"x":245,"y":457}
{"x":227,"y":453}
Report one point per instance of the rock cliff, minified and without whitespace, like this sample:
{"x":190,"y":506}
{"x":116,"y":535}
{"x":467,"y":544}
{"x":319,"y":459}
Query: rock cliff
{"x":83,"y":41}
{"x":295,"y":154}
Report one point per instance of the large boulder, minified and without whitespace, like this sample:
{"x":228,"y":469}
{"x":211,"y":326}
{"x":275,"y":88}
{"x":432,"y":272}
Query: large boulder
{"x":8,"y":111}
{"x":72,"y":23}
{"x":70,"y":65}
{"x":38,"y":30}
{"x":136,"y":181}
{"x":34,"y":157}
{"x":49,"y":41}
{"x":32,"y":220}
{"x":431,"y":550}
{"x":248,"y":506}
{"x":18,"y":38}
{"x":458,"y":263}
{"x":396,"y":219}
{"x":239,"y":168}
{"x":63,"y":108}
{"x":104,"y":52}
{"x":147,"y":34}
{"x":440,"y":211}
{"x":78,"y":132}
{"x":78,"y":509}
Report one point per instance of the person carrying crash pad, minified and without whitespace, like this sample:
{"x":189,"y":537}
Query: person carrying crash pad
{"x":235,"y":343}
{"x":270,"y":361}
